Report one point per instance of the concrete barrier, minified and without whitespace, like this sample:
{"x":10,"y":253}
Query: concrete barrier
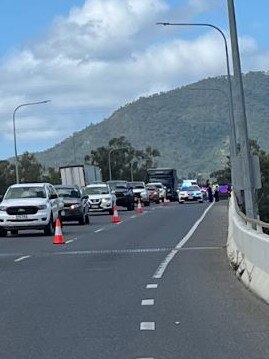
{"x":248,"y":252}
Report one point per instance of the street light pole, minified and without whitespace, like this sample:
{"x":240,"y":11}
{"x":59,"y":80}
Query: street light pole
{"x":246,"y":161}
{"x":132,"y":173}
{"x":233,"y":143}
{"x":15,"y":137}
{"x":109,"y":159}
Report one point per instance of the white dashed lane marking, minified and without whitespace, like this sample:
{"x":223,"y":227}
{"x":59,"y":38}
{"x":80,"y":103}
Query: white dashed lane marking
{"x":69,"y":241}
{"x":99,"y":230}
{"x":152,"y":286}
{"x":21,"y":258}
{"x":147,"y":302}
{"x":147,"y":326}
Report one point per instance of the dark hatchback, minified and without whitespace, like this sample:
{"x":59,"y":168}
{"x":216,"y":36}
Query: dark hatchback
{"x":124,"y":194}
{"x":75,"y":205}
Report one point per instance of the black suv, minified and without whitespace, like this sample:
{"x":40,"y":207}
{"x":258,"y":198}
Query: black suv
{"x":75,"y":205}
{"x":124,"y":194}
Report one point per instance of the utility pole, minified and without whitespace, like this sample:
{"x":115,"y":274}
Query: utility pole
{"x":241,"y":121}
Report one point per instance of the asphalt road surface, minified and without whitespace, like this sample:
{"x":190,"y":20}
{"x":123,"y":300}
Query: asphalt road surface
{"x":144,"y":288}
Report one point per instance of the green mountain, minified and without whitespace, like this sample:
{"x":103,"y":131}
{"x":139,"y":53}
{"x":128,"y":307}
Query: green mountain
{"x":189,"y":126}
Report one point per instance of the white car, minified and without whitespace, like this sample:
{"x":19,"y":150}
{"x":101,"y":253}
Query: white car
{"x":100,"y":198}
{"x":140,"y":191}
{"x":190,"y":193}
{"x":161,"y":188}
{"x":29,"y":206}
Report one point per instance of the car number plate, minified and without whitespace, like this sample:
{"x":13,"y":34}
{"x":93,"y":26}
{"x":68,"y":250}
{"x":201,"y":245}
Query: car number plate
{"x":95,"y":206}
{"x":21,"y":216}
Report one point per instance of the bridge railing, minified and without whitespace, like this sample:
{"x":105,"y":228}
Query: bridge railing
{"x":250,"y":222}
{"x":248,"y":250}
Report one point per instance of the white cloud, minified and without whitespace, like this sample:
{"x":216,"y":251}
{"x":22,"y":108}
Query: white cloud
{"x":104,"y":54}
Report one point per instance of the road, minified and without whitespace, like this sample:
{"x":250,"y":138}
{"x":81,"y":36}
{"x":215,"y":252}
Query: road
{"x":139,"y":289}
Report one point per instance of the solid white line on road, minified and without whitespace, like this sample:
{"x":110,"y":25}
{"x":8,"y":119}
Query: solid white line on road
{"x":152,"y":286}
{"x":114,"y":251}
{"x":21,"y":258}
{"x":69,"y":241}
{"x":201,"y":248}
{"x":147,"y":326}
{"x":147,"y":302}
{"x":134,"y":216}
{"x":160,"y":271}
{"x":99,"y":230}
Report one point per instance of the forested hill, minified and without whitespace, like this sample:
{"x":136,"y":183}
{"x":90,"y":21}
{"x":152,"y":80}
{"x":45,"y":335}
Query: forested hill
{"x":189,"y":125}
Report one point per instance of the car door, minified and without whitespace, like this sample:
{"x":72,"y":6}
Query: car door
{"x":54,"y":202}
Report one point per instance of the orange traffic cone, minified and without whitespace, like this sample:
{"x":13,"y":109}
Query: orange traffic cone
{"x":115,"y":217}
{"x":58,"y":237}
{"x":139,"y":208}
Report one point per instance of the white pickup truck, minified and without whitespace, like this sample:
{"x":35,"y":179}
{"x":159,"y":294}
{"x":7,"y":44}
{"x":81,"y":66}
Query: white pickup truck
{"x":29,"y":206}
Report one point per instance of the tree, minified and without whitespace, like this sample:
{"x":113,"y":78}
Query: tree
{"x":263,"y":193}
{"x":7,"y":175}
{"x":123,"y":155}
{"x":51,"y":175}
{"x":223,"y":176}
{"x":29,"y":169}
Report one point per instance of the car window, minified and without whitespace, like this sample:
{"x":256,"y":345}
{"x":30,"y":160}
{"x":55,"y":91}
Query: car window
{"x":68,"y":192}
{"x":25,"y":192}
{"x":96,"y":190}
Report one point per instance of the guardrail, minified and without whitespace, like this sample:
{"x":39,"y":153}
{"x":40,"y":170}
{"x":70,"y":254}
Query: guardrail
{"x":248,"y":250}
{"x":253,"y":223}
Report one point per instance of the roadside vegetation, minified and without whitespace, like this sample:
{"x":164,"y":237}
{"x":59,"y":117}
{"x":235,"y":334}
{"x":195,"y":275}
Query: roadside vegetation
{"x":30,"y":170}
{"x":224,"y":176}
{"x":125,"y":159}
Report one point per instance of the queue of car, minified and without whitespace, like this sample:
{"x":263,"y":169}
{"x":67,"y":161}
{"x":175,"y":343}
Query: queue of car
{"x":37,"y":205}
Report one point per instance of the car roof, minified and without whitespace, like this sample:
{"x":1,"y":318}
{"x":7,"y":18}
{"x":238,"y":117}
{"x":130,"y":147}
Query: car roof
{"x":29,"y":185}
{"x":97,"y":185}
{"x":117,"y":181}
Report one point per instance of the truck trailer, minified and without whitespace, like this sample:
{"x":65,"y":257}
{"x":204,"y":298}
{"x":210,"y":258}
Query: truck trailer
{"x":80,"y":175}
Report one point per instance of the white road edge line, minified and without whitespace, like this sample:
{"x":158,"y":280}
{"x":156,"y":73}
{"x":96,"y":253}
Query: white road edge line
{"x":144,"y":358}
{"x":147,"y":302}
{"x":99,"y":230}
{"x":152,"y":286}
{"x":21,"y":258}
{"x":147,"y":326}
{"x":161,"y":269}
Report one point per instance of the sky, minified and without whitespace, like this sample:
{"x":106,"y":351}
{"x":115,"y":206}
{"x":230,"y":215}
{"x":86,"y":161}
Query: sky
{"x":89,"y":57}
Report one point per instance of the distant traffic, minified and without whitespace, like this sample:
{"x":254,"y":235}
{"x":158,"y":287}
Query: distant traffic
{"x":82,"y":192}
